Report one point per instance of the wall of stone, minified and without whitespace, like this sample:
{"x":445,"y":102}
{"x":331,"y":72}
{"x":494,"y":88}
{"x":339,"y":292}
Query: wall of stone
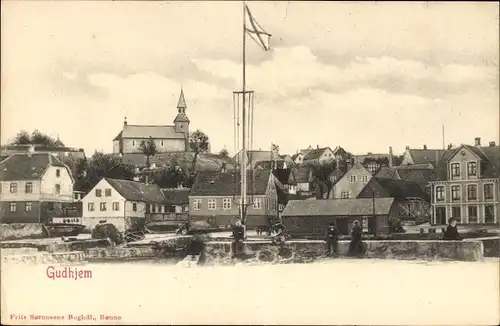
{"x":297,"y":251}
{"x":491,"y":246}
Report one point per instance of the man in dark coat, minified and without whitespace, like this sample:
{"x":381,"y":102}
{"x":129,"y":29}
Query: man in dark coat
{"x":238,"y":236}
{"x":332,"y":239}
{"x":451,"y":232}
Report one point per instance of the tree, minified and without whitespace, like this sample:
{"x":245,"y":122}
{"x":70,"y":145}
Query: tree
{"x":171,"y":177}
{"x":198,"y":143}
{"x":224,"y":152}
{"x":36,"y":138}
{"x":102,"y":165}
{"x":148,"y":148}
{"x":321,"y":175}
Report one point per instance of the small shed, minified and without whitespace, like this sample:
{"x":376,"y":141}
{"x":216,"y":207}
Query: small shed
{"x":310,"y":218}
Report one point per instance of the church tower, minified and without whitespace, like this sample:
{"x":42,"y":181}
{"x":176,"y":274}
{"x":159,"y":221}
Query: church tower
{"x":181,"y":120}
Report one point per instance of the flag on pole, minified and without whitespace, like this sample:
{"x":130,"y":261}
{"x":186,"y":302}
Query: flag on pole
{"x":256,"y":32}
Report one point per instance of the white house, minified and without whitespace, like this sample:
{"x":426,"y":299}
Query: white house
{"x":121,"y":202}
{"x":32,"y":185}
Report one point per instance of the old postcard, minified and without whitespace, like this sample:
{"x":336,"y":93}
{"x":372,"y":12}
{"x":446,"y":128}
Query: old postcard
{"x":288,"y":162}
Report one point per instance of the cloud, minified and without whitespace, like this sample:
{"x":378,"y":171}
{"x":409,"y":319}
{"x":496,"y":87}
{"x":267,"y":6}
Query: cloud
{"x":290,"y":71}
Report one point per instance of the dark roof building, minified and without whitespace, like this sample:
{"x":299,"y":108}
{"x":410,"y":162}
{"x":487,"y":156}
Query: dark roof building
{"x":338,"y":207}
{"x":32,"y":166}
{"x":228,"y":183}
{"x":176,"y":196}
{"x":137,"y":191}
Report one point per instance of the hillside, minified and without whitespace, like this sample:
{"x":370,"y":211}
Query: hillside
{"x":205,"y":161}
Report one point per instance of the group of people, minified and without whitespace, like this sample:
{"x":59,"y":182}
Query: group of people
{"x":356,"y":247}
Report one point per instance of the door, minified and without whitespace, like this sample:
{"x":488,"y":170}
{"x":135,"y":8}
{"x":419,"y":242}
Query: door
{"x":440,"y":215}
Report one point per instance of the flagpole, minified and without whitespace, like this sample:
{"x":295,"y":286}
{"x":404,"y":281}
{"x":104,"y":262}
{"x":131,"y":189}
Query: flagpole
{"x":243,"y":148}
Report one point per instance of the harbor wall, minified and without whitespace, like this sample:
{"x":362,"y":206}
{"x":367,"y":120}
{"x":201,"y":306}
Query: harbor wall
{"x":297,"y":251}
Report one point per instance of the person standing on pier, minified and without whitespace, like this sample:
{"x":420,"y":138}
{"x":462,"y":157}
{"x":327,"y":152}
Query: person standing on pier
{"x":238,"y":236}
{"x":451,"y":232}
{"x":332,"y":239}
{"x":356,"y":245}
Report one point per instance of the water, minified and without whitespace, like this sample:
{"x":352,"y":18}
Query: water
{"x":333,"y":291}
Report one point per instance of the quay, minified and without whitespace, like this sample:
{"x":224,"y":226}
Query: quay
{"x":220,"y":251}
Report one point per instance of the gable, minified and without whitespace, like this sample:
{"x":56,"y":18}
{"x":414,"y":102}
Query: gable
{"x":103,"y":184}
{"x":464,"y":153}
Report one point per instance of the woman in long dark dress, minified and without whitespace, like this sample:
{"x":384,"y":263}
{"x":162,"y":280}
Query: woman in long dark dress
{"x":356,"y":245}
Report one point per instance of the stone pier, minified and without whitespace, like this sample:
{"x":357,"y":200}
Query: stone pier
{"x":301,"y":251}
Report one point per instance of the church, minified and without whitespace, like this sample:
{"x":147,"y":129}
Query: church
{"x":168,"y":138}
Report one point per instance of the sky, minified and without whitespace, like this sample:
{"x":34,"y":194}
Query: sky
{"x":364,"y":76}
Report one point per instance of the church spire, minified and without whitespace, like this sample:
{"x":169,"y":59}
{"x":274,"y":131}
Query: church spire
{"x":181,"y":104}
{"x":181,"y":109}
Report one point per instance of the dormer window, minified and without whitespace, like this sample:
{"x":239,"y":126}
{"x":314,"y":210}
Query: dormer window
{"x":472,"y":168}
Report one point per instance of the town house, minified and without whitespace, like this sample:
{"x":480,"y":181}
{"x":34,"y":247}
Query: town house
{"x":33,"y":187}
{"x":123,"y":203}
{"x":466,"y":185}
{"x":351,"y":183}
{"x":319,"y":156}
{"x":215,"y":199}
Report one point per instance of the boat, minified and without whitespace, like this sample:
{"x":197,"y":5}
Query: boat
{"x":64,"y":229}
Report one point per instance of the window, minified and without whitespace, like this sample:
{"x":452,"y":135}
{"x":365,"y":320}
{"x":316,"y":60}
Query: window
{"x":57,"y":189}
{"x":133,"y":142}
{"x":333,"y":178}
{"x":28,"y":188}
{"x":352,"y":178}
{"x":455,"y":192}
{"x":58,"y":173}
{"x":103,"y":207}
{"x":226,"y":203}
{"x":161,"y":143}
{"x":489,"y":214}
{"x":257,"y":203}
{"x":488,"y":191}
{"x":196,"y":204}
{"x":472,"y":168}
{"x":439,"y":193}
{"x":28,"y":207}
{"x":211,"y":204}
{"x":345,"y":195}
{"x":456,"y":212}
{"x":107,"y":192}
{"x":364,"y":178}
{"x":98,"y":193}
{"x":134,"y":207}
{"x":471,"y":192}
{"x":91,"y":207}
{"x":472,"y":212}
{"x":152,"y":208}
{"x":116,"y":206}
{"x":13,"y":187}
{"x":455,"y":169}
{"x":13,"y":207}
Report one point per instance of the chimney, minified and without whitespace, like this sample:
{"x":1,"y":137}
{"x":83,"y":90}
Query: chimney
{"x":317,"y":146}
{"x":31,"y":150}
{"x":125,"y":121}
{"x":492,"y":144}
{"x":450,"y":146}
{"x":477,"y":141}
{"x":425,"y":146}
{"x":349,"y":164}
{"x":407,"y":147}
{"x":391,"y":159}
